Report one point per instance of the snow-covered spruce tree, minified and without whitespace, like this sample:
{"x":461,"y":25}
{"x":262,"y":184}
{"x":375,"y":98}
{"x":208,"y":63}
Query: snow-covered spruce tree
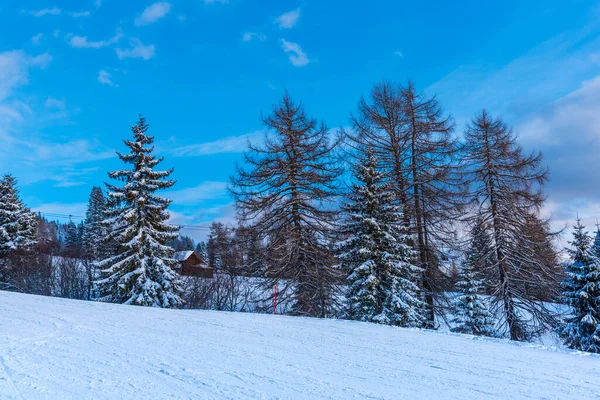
{"x":18,"y":224}
{"x":202,"y":250}
{"x":414,"y":141}
{"x":286,"y":196}
{"x":596,"y":245}
{"x":141,"y":272}
{"x":582,"y":293}
{"x":481,"y":253}
{"x":507,"y":193}
{"x":71,"y":242}
{"x":95,"y":234}
{"x":377,"y":256}
{"x":471,"y":313}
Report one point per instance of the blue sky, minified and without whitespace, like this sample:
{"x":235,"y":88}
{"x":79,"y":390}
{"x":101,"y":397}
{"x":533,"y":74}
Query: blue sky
{"x":75,"y":74}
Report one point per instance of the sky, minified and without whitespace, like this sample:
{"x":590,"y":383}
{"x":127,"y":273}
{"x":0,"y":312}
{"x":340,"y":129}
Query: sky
{"x":74,"y":75}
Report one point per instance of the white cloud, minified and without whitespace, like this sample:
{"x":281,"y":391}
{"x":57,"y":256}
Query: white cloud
{"x":43,"y":12}
{"x":249,"y":36}
{"x":75,"y":209}
{"x":23,"y":148}
{"x":14,"y":69}
{"x":56,"y":11}
{"x":98,"y":3}
{"x":37,"y":39}
{"x":205,"y":191}
{"x":14,"y":72}
{"x":137,"y":50}
{"x":216,"y":1}
{"x":232,"y":144}
{"x":542,"y":74}
{"x":297,"y":57}
{"x":80,"y":14}
{"x":288,"y":19}
{"x":203,"y":217}
{"x":71,"y":152}
{"x":82,"y":42}
{"x":153,"y":13}
{"x":399,"y":53}
{"x":105,"y":78}
{"x":568,"y":133}
{"x":56,"y":104}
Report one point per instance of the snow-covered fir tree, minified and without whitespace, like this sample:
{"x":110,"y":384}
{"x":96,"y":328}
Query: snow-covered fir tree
{"x":141,"y":273}
{"x":71,"y":242}
{"x":481,"y":254}
{"x":376,"y":254}
{"x":596,"y":245}
{"x":471,"y":313}
{"x":202,"y":250}
{"x":94,"y":238}
{"x":582,"y":293}
{"x":18,"y":224}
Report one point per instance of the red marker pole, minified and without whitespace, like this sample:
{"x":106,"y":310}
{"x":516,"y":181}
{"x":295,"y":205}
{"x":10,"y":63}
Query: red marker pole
{"x":275,"y":299}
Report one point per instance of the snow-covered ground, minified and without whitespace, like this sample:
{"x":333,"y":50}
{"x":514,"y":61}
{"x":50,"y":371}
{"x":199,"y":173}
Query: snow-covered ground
{"x":63,"y":349}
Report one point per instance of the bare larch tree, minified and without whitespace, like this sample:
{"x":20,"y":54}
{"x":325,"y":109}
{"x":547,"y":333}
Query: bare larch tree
{"x":287,"y":196}
{"x":506,"y":190}
{"x":414,"y":141}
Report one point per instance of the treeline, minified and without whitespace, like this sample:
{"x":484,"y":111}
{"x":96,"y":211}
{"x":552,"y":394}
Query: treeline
{"x":398,"y":219}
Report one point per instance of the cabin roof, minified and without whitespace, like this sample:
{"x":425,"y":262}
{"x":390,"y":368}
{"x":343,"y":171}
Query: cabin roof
{"x":183,"y":255}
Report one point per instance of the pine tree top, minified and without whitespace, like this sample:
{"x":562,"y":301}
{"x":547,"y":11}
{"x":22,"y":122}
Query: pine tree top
{"x":582,"y":243}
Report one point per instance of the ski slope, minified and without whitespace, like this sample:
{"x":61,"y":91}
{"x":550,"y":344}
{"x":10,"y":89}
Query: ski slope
{"x":63,"y":349}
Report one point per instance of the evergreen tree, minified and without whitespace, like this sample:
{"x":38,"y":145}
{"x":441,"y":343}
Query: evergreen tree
{"x":286,"y":197}
{"x":582,"y":293}
{"x":596,"y":245}
{"x":71,"y":244}
{"x":18,"y":225}
{"x":472,"y":315}
{"x":18,"y":228}
{"x":418,"y":151}
{"x":142,"y":271}
{"x":219,"y":246}
{"x":95,"y":235}
{"x":377,"y":255}
{"x":202,"y":251}
{"x":481,"y":250}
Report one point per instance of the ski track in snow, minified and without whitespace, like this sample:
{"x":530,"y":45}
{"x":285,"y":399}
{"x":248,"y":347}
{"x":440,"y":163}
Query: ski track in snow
{"x":63,"y":349}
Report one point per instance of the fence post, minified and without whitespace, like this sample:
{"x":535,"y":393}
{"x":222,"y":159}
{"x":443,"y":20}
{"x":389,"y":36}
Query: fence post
{"x":275,"y":299}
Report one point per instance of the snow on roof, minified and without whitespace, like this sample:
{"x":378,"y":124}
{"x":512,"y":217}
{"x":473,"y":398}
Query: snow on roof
{"x":182,"y":255}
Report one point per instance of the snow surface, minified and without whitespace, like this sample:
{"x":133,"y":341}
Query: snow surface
{"x":54,"y":348}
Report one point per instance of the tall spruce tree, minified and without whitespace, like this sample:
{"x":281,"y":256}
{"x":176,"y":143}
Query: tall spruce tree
{"x":582,"y":293}
{"x":481,"y":253}
{"x":376,"y":254}
{"x":18,"y":228}
{"x":506,"y":188}
{"x":202,"y":250}
{"x":141,"y":273}
{"x":71,"y":245}
{"x":471,"y":312}
{"x":95,"y":235}
{"x":18,"y":225}
{"x":596,"y":245}
{"x":286,"y":197}
{"x":414,"y":141}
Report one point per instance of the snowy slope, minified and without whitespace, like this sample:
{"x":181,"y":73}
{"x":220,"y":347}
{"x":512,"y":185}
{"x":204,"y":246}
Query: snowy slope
{"x":62,"y":349}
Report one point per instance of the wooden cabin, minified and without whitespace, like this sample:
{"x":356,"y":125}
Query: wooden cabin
{"x":191,"y":264}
